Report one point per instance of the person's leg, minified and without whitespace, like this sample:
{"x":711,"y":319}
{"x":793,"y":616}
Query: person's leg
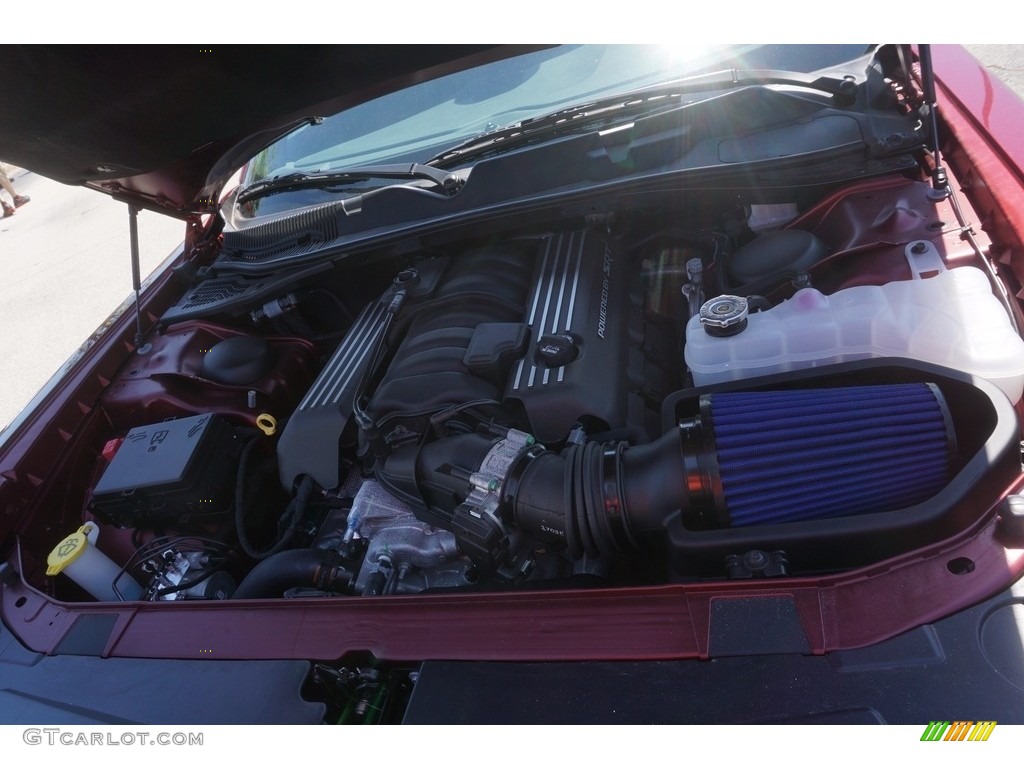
{"x":19,"y":200}
{"x":5,"y":182}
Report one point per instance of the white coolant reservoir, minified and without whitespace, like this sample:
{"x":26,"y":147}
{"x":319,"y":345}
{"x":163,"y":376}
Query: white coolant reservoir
{"x":951,"y":319}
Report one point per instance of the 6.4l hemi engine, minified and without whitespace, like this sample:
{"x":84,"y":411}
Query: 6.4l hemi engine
{"x":547,"y":336}
{"x":540,"y":334}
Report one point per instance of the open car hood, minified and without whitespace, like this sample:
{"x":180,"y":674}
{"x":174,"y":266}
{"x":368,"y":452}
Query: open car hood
{"x":163,"y":127}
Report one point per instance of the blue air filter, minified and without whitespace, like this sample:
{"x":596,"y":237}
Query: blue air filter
{"x":820,"y":453}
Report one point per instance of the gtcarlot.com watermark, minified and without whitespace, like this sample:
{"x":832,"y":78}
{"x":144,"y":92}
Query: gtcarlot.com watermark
{"x":71,"y":737}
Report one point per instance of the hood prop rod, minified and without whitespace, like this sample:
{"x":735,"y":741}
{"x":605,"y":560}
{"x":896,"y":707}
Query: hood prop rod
{"x":940,"y":181}
{"x":133,"y":235}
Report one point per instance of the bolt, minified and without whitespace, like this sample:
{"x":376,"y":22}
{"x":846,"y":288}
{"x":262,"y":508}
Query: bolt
{"x":755,"y":559}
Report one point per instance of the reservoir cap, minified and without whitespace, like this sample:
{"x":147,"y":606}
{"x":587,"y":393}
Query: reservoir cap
{"x":724,"y":315}
{"x":69,"y":550}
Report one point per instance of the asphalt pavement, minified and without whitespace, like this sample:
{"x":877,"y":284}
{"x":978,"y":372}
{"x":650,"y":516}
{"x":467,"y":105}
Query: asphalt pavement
{"x":67,"y":264}
{"x":1004,"y":61}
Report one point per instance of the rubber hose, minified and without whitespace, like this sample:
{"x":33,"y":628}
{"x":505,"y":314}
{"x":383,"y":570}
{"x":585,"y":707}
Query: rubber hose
{"x":293,"y":568}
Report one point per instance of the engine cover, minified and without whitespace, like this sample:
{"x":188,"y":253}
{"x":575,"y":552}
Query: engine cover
{"x":580,"y":361}
{"x":550,"y":329}
{"x":538,"y":333}
{"x":448,"y":352}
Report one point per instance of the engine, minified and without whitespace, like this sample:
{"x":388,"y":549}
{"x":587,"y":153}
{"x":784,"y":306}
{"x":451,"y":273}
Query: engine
{"x":542,"y":334}
{"x":508,"y":404}
{"x":545,"y":339}
{"x":607,"y":402}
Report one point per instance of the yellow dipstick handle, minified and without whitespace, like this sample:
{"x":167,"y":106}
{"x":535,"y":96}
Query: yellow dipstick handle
{"x":267,"y":423}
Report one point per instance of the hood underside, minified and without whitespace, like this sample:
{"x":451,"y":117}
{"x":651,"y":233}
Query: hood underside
{"x":163,"y":127}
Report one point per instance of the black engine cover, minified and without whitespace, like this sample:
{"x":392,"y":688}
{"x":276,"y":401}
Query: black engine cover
{"x":450,"y":353}
{"x":580,"y":357}
{"x":537,"y":333}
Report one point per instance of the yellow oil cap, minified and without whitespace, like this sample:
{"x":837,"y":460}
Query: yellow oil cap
{"x":69,"y":550}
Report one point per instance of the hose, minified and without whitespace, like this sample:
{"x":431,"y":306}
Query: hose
{"x":289,"y":520}
{"x":294,"y":568}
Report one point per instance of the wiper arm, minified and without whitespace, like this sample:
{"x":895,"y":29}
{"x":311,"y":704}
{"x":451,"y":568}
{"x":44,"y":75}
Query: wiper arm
{"x":449,"y":183}
{"x":561,"y":121}
{"x":842,"y":89}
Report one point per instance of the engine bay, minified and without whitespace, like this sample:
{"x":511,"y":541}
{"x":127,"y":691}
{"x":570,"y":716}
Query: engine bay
{"x":688,"y":387}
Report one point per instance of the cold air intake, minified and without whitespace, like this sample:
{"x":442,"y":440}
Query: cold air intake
{"x":748,"y":458}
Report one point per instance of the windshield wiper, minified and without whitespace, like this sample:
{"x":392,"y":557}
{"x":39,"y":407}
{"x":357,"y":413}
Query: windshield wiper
{"x":842,"y":89}
{"x":613,"y":108}
{"x":449,"y":183}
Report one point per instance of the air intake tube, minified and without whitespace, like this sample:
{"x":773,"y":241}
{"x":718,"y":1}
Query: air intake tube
{"x":748,"y":458}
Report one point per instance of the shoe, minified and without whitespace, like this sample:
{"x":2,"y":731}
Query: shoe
{"x":20,"y":200}
{"x":8,"y":209}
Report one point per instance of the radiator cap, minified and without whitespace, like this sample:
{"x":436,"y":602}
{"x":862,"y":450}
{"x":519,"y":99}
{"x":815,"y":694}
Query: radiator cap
{"x":724,"y":315}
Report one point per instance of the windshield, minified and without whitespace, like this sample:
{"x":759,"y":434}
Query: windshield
{"x":416,"y":123}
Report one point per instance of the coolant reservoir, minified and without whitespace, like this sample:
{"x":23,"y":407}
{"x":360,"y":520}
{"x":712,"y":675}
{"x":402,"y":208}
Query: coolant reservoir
{"x":952,"y":319}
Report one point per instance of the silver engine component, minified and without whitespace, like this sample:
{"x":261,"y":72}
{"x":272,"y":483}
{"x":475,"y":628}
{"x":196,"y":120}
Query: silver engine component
{"x":186,"y":575}
{"x":403,"y":554}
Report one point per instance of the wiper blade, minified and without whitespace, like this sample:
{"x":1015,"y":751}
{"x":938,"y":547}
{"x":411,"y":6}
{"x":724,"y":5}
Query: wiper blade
{"x":843,"y":89}
{"x":571,"y":119}
{"x":552,"y":124}
{"x":449,"y":183}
